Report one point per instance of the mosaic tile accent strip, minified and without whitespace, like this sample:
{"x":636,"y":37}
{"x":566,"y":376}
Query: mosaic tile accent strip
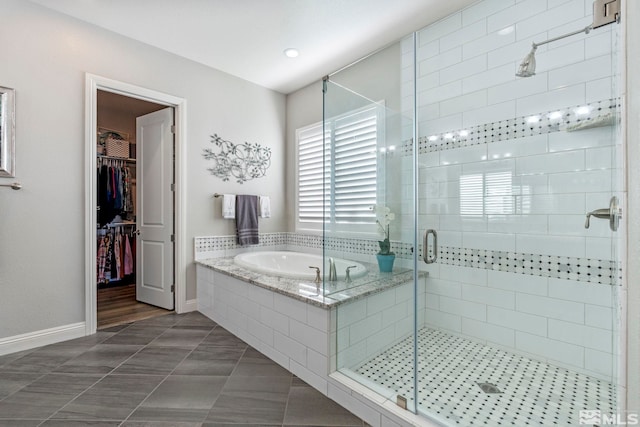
{"x":558,"y":267}
{"x":366,"y":246}
{"x":218,"y":243}
{"x":450,"y":368}
{"x":304,"y":240}
{"x":360,"y":246}
{"x":519,"y":127}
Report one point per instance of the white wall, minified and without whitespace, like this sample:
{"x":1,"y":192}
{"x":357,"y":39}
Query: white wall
{"x":45,"y":58}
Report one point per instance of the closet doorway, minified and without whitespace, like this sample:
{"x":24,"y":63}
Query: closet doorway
{"x":134,"y":209}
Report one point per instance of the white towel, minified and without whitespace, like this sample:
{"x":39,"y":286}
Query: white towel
{"x":229,"y":206}
{"x":265,"y":207}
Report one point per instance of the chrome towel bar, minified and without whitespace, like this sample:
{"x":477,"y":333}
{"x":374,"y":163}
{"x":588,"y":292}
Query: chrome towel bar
{"x":14,"y":186}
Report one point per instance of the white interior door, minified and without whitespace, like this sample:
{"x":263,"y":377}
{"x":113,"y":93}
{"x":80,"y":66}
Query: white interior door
{"x":154,"y":249}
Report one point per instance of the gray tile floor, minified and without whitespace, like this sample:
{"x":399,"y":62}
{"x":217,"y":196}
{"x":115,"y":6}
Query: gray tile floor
{"x":173,"y":370}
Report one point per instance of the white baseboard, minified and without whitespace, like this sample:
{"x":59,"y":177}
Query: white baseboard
{"x":188,"y":305}
{"x":43,"y":337}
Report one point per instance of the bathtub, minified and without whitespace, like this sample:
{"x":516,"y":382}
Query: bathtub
{"x":295,"y":265}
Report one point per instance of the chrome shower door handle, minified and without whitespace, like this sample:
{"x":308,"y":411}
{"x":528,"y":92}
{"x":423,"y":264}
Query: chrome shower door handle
{"x":425,"y":247}
{"x":612,"y":213}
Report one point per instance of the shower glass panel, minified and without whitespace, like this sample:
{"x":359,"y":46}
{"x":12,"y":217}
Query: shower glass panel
{"x":515,"y":318}
{"x":369,"y":197}
{"x":519,"y":325}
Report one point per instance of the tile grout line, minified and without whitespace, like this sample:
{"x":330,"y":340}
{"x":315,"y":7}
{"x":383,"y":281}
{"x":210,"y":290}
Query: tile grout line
{"x":226,"y":381}
{"x":169,"y":374}
{"x":62,"y":373}
{"x":102,"y":378}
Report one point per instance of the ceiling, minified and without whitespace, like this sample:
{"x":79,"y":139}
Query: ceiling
{"x":246,"y":38}
{"x":109,"y":102}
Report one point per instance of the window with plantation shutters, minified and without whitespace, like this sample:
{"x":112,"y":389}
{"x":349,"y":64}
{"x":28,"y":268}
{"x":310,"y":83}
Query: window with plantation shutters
{"x":337,"y":177}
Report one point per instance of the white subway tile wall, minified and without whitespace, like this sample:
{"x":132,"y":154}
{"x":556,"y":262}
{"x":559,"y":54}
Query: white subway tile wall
{"x":369,"y":326}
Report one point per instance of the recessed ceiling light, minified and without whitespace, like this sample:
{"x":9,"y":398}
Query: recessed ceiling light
{"x":291,"y":52}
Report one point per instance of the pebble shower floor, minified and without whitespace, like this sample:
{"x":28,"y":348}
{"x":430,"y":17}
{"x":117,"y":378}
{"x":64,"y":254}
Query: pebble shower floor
{"x":451,"y":368}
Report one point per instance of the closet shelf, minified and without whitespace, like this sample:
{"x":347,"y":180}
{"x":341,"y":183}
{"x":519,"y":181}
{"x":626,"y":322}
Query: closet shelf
{"x":120,"y":224}
{"x":101,"y":156}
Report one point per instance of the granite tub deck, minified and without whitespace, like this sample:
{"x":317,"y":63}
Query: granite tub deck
{"x":291,"y":323}
{"x":307,"y":291}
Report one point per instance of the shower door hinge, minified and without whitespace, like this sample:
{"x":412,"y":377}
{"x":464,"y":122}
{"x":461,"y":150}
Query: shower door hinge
{"x":605,"y":12}
{"x":401,"y":401}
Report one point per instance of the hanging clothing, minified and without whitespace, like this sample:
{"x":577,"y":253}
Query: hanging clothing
{"x":115,"y":259}
{"x":114,"y":187}
{"x":116,"y":252}
{"x":102,"y":258}
{"x":128,"y":256}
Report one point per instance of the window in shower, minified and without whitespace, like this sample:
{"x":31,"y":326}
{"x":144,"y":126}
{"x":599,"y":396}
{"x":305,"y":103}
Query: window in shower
{"x":337,"y":174}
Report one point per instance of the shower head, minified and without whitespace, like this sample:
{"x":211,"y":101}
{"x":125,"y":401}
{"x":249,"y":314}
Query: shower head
{"x":527,"y":67}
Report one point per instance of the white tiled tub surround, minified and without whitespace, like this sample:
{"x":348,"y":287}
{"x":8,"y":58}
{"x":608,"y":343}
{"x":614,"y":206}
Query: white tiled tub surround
{"x":507,"y":184}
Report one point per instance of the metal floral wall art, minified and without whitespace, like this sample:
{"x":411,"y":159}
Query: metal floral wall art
{"x":242,"y":161}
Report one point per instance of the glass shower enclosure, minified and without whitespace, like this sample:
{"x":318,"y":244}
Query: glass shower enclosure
{"x":503,"y":192}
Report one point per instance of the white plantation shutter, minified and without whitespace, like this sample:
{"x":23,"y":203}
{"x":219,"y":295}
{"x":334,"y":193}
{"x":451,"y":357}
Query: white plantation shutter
{"x":348,"y":158}
{"x":355,"y":167}
{"x":313,"y":188}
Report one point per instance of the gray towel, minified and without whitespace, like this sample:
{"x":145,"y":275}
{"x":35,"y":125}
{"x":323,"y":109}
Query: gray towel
{"x":247,"y":219}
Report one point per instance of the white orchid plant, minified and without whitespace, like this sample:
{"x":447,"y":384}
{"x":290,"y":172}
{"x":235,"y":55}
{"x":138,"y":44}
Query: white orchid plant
{"x":384,"y":218}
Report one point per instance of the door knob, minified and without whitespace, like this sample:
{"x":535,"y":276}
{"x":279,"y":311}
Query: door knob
{"x":612,"y":213}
